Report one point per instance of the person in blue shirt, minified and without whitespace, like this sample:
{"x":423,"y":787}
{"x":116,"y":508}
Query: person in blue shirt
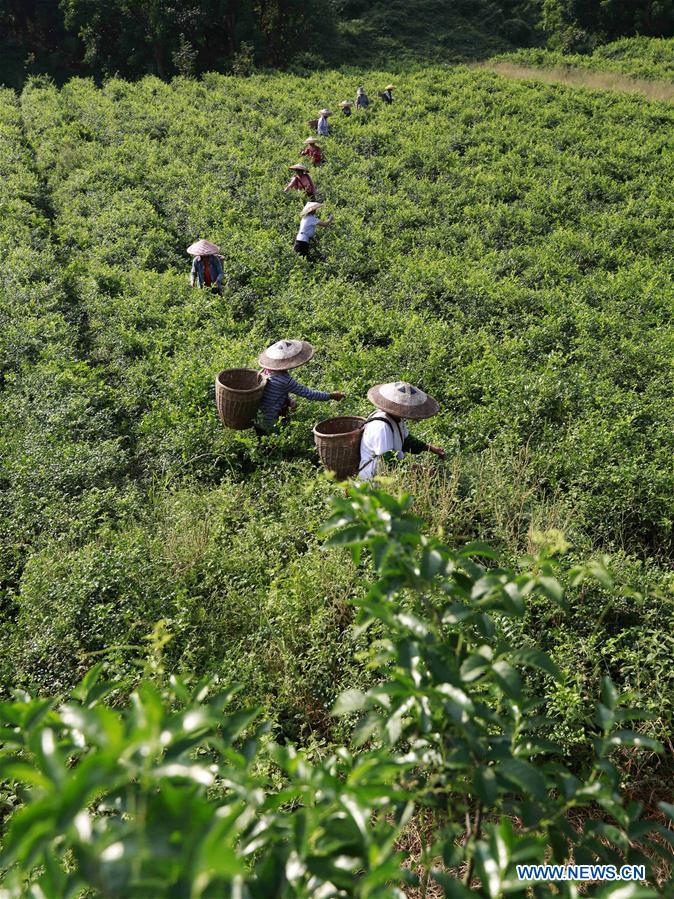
{"x":207,"y":270}
{"x":276,"y":362}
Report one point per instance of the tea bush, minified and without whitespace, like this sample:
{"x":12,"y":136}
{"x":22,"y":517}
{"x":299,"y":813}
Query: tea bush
{"x":507,"y":246}
{"x":178,"y":794}
{"x":60,"y":450}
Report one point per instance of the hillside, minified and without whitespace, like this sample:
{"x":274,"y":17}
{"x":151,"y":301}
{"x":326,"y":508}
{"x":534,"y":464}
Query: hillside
{"x":639,"y":57}
{"x":430,"y":31}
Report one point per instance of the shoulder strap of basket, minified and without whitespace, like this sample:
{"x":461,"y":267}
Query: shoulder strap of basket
{"x":376,"y":417}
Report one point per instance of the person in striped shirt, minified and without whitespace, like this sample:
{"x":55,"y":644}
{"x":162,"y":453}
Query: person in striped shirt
{"x":276,"y":362}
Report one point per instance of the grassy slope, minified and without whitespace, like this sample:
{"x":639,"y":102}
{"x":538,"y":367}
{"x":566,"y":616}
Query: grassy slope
{"x":638,"y":57}
{"x":504,"y":244}
{"x":585,"y":79}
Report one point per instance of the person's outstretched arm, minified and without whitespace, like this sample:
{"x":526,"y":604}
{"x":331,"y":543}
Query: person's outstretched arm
{"x":415,"y":446}
{"x":308,"y":394}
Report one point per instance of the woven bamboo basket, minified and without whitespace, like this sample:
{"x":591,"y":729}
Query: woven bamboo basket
{"x":338,"y":443}
{"x":238,"y":392}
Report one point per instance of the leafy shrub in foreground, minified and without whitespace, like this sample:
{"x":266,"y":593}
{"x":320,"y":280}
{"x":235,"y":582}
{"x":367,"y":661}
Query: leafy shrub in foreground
{"x":176,"y":794}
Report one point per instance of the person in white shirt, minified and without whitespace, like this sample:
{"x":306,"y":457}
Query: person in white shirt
{"x":386,"y":430}
{"x":309,"y":221}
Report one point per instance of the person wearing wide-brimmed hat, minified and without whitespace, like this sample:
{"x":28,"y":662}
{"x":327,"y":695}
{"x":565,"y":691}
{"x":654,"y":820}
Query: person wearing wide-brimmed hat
{"x":386,"y":430}
{"x":312,"y":150}
{"x":387,"y":94}
{"x":309,"y":221}
{"x":345,"y":106}
{"x":301,"y":180}
{"x":322,"y":128}
{"x":207,"y":268}
{"x":276,"y":362}
{"x":362,"y":99}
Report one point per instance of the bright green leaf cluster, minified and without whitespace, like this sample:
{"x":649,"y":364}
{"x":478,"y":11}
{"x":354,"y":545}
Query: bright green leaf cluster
{"x":173,"y":794}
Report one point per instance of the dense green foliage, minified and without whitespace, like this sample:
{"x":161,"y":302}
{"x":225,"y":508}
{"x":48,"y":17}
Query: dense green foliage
{"x":65,"y":37}
{"x":396,"y":32}
{"x":581,"y":24}
{"x":102,"y":38}
{"x":177,"y":795}
{"x":506,"y":246}
{"x":105,"y":38}
{"x":639,"y":57}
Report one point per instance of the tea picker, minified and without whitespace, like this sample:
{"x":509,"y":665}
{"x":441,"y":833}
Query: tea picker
{"x":362,"y":99}
{"x":351,"y":446}
{"x":309,"y":221}
{"x":312,"y":150}
{"x":322,"y":127}
{"x":301,"y":180}
{"x":386,"y":431}
{"x":345,"y":106}
{"x":277,"y":361}
{"x":387,"y":94}
{"x":207,"y":268}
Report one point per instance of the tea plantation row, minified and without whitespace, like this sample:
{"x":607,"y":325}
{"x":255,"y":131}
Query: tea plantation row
{"x":506,"y":246}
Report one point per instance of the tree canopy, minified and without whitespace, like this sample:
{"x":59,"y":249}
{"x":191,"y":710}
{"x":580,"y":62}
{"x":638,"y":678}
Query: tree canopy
{"x":104,"y":38}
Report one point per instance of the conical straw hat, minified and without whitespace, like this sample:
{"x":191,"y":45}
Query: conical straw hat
{"x":298,"y":167}
{"x":203,"y":248}
{"x":325,"y":112}
{"x":310,"y":207}
{"x":285,"y":354}
{"x":311,"y":140}
{"x":402,"y":399}
{"x":389,"y":87}
{"x":345,"y":103}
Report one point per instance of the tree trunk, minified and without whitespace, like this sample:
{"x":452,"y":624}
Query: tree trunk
{"x":158,"y":54}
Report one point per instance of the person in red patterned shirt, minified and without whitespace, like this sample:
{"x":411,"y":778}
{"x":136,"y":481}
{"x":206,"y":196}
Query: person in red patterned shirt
{"x":312,"y":150}
{"x":301,"y":180}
